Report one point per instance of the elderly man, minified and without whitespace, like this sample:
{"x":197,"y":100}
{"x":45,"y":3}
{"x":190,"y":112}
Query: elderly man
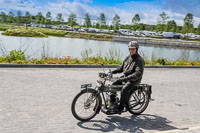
{"x":132,"y":68}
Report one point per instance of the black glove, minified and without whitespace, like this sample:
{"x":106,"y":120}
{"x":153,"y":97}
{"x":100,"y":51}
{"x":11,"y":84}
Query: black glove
{"x":118,"y":81}
{"x":123,"y":79}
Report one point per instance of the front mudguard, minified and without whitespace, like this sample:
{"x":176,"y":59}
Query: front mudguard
{"x":88,"y":90}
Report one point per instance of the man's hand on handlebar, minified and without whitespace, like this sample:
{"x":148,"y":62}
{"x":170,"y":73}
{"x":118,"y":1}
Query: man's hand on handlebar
{"x":108,"y":72}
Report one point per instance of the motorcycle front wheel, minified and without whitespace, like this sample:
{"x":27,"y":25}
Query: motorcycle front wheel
{"x":138,"y":101}
{"x":86,"y":105}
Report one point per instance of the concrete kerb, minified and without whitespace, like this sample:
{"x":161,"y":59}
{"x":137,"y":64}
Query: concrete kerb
{"x":78,"y":66}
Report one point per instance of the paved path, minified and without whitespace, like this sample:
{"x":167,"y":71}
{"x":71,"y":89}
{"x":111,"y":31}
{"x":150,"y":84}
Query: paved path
{"x":39,"y":100}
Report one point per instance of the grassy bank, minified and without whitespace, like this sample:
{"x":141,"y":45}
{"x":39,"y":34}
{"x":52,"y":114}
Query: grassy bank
{"x":33,"y":32}
{"x":18,"y":57}
{"x":44,"y":32}
{"x":90,"y":36}
{"x":4,"y":27}
{"x":24,"y":32}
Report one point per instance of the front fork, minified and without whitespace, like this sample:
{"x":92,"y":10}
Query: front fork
{"x":104,"y":100}
{"x":91,"y":99}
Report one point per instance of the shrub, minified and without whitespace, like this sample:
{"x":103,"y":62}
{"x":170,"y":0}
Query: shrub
{"x":15,"y":55}
{"x":161,"y":61}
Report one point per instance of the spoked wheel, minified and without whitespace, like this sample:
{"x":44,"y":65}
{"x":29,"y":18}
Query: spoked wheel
{"x":138,"y":101}
{"x":86,"y":105}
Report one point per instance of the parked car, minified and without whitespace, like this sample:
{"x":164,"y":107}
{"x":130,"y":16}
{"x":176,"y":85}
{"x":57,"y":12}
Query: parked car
{"x":91,"y":29}
{"x":168,"y":34}
{"x":126,"y":32}
{"x":177,"y":36}
{"x":190,"y":35}
{"x":83,"y":29}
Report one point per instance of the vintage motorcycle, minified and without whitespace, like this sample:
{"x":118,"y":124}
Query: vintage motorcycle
{"x":88,"y":102}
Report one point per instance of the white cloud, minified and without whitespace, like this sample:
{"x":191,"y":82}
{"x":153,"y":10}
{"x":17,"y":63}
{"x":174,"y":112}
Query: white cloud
{"x":87,"y":1}
{"x":81,"y":9}
{"x":196,"y":21}
{"x":183,"y":6}
{"x":147,"y":11}
{"x":149,"y":17}
{"x":22,"y":5}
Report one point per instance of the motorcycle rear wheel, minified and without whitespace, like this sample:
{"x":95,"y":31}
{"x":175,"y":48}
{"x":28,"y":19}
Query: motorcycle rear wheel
{"x":138,"y":101}
{"x":86,"y":105}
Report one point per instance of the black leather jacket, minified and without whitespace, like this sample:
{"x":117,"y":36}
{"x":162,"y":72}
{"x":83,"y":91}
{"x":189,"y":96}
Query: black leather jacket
{"x":132,"y":68}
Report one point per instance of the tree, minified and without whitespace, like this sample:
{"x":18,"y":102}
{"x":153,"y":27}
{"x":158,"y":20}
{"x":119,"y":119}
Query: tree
{"x":141,"y":27}
{"x":48,"y":18}
{"x":111,"y":27}
{"x":97,"y":26}
{"x":178,"y":29}
{"x":162,"y":20}
{"x":10,"y":17}
{"x":59,"y":18}
{"x":3,"y":17}
{"x":188,"y":24}
{"x":87,"y":22}
{"x":116,"y":22}
{"x":72,"y":19}
{"x":136,"y":19}
{"x":171,"y":26}
{"x":102,"y":20}
{"x":150,"y":27}
{"x":188,"y":18}
{"x":160,"y":27}
{"x":19,"y":17}
{"x":198,"y":30}
{"x":28,"y":17}
{"x":48,"y":15}
{"x":39,"y":18}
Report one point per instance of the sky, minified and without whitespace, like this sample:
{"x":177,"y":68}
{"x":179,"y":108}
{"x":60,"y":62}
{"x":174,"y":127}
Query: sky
{"x":148,"y":10}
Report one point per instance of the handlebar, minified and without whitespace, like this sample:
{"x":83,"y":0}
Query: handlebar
{"x":108,"y":77}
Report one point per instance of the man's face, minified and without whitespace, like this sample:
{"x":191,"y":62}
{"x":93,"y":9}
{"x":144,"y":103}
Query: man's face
{"x":132,"y":51}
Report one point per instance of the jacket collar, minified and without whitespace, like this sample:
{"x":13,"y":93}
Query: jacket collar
{"x":134,"y":56}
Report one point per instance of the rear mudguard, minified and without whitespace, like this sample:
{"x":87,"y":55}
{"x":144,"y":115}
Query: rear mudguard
{"x":142,"y":87}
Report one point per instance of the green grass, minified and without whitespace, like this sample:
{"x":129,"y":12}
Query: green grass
{"x":4,"y":27}
{"x":24,"y":32}
{"x":51,"y":32}
{"x":187,"y":39}
{"x":91,"y":36}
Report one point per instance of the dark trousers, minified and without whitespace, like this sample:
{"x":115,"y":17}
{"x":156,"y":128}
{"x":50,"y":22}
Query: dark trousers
{"x":124,"y":93}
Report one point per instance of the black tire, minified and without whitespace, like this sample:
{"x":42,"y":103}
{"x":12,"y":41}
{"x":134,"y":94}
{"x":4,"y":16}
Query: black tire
{"x":96,"y":99}
{"x":138,"y":101}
